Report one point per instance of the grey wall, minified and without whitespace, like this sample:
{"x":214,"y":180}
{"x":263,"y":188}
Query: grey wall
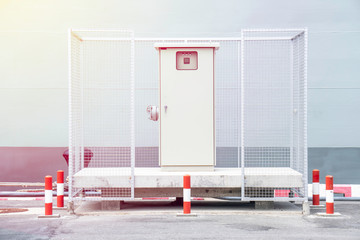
{"x":33,"y":63}
{"x":342,"y":163}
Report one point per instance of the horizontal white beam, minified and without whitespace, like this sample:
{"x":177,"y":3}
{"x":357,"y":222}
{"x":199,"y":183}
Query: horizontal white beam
{"x":187,"y":39}
{"x":275,"y":30}
{"x":102,"y":30}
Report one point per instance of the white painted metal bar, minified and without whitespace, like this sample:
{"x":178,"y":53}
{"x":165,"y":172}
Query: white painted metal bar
{"x":305,"y":174}
{"x":132,"y":114}
{"x":186,"y":39}
{"x":76,"y":36}
{"x":278,"y":199}
{"x":101,"y":30}
{"x":274,"y":29}
{"x":292,"y":105}
{"x":298,"y":76}
{"x":239,"y":101}
{"x":103,"y":198}
{"x":82,"y":156}
{"x":297,"y":35}
{"x":71,"y":172}
{"x":243,"y":197}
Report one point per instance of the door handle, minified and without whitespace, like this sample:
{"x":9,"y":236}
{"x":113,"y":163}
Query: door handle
{"x":165,"y":107}
{"x":153,"y":112}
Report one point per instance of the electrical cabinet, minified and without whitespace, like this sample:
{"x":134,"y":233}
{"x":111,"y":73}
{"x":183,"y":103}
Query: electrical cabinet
{"x":187,"y":130}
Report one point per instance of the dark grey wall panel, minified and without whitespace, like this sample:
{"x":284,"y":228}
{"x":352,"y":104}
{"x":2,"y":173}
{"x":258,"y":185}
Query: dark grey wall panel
{"x":342,"y":163}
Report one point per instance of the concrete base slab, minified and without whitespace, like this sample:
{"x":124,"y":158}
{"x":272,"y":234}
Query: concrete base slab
{"x":262,"y":205}
{"x":306,"y":208}
{"x":336,"y":214}
{"x":186,"y":215}
{"x":157,"y":178}
{"x":59,"y":208}
{"x":317,"y":206}
{"x":49,"y":216}
{"x":71,"y":207}
{"x":110,"y":205}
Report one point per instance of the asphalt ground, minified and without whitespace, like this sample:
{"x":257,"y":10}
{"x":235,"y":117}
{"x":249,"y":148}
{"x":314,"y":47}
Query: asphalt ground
{"x":215,"y":219}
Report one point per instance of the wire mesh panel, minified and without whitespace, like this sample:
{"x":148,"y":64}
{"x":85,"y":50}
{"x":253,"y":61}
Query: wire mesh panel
{"x":273,"y":112}
{"x":227,"y":105}
{"x":102,"y":110}
{"x":146,"y":94}
{"x":299,"y":142}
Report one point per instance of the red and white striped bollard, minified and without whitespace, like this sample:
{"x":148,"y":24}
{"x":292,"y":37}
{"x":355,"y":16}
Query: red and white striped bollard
{"x":60,"y":189}
{"x":316,"y":187}
{"x":48,"y":196}
{"x":329,"y":195}
{"x":48,"y":200}
{"x":187,"y":195}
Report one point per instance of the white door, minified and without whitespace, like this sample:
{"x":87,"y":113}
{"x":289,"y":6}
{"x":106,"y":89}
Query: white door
{"x":187,"y":107}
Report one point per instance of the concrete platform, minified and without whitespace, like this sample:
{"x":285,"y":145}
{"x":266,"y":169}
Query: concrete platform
{"x":186,"y":215}
{"x":318,"y":206}
{"x":325,"y":215}
{"x":49,"y":216}
{"x":219,"y":178}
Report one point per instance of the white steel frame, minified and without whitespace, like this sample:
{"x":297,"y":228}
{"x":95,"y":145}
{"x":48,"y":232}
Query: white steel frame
{"x":73,"y":165}
{"x":303,"y":129}
{"x":73,"y":193}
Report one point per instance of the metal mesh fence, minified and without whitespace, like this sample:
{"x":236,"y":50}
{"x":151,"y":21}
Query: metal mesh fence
{"x":227,"y":105}
{"x":146,"y":93}
{"x":102,"y":110}
{"x":260,"y":108}
{"x":273,"y":107}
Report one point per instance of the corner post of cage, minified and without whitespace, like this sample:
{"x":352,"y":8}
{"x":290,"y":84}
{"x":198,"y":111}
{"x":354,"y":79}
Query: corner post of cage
{"x":82,"y":79}
{"x":292,"y":104}
{"x":242,"y":79}
{"x":297,"y":76}
{"x":239,"y":101}
{"x":70,"y":117}
{"x":214,"y":105}
{"x":305,"y":115}
{"x":132,"y":114}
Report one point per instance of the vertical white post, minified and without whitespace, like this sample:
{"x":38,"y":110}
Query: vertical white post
{"x":70,"y":118}
{"x":292,"y":104}
{"x":299,"y":126}
{"x":239,"y":101}
{"x":242,"y":117}
{"x":305,"y":175}
{"x":132,"y":114}
{"x":82,"y":67}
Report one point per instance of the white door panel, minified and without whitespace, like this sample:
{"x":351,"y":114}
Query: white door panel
{"x":187,"y":110}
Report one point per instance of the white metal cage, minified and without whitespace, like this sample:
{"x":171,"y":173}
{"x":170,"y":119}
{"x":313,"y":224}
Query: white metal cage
{"x":102,"y":109}
{"x":260,"y":108}
{"x":273,"y":105}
